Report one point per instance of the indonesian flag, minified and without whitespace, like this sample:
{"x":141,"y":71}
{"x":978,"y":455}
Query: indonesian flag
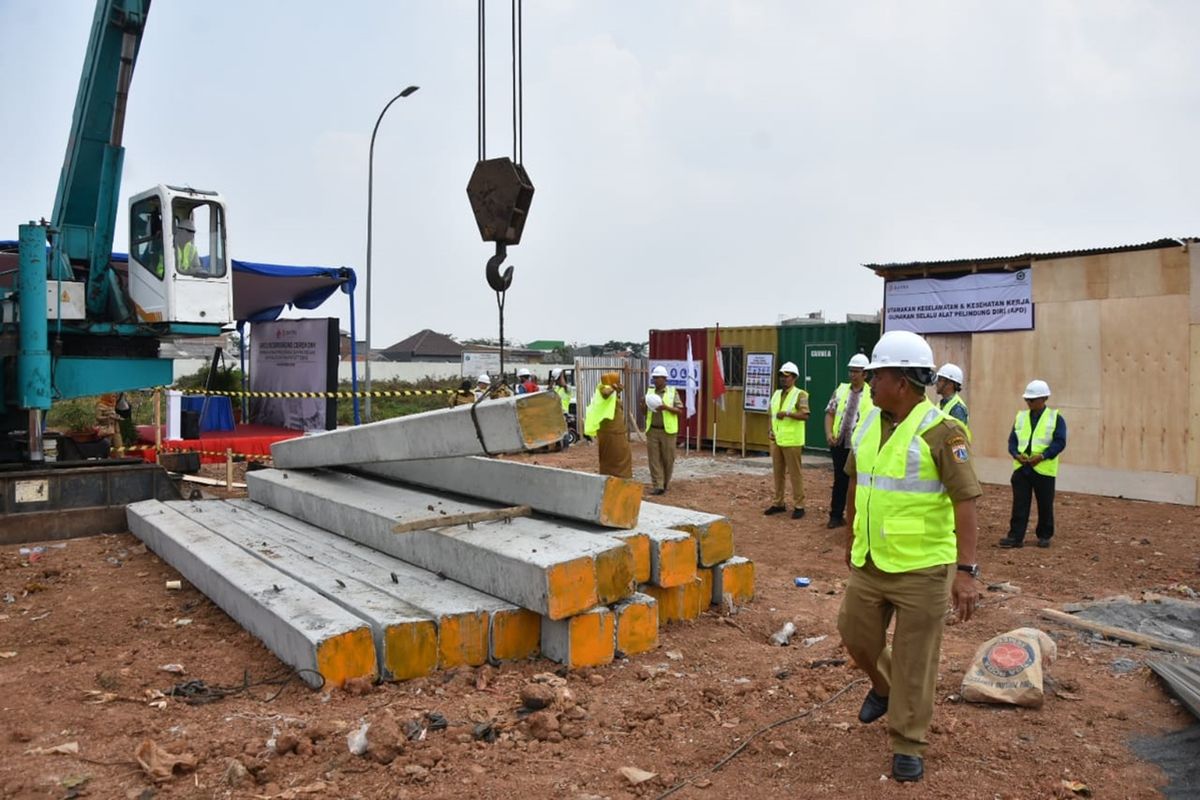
{"x":690,"y":391}
{"x":718,"y":375}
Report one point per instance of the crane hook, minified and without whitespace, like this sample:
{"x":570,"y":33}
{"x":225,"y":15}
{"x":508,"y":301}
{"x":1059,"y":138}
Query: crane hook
{"x":499,"y":281}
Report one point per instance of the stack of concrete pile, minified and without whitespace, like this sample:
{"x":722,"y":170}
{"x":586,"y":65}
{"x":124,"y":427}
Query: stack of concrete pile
{"x":393,"y":569}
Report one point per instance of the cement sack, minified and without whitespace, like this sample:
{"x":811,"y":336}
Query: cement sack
{"x":1009,"y":669}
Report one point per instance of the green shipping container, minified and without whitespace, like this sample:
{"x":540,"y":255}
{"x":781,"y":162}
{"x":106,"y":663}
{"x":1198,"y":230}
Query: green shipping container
{"x":821,"y":352}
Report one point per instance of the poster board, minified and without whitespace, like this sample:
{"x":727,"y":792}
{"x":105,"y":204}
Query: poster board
{"x":476,"y":363}
{"x":297,"y":355}
{"x":760,"y":372}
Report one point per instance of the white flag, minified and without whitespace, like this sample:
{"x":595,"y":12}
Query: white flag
{"x":690,"y":392}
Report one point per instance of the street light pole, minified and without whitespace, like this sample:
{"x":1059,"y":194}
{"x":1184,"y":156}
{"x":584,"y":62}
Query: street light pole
{"x":370,"y":198}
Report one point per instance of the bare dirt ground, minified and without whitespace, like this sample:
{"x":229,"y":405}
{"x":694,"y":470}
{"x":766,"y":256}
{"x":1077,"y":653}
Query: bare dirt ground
{"x":86,"y":629}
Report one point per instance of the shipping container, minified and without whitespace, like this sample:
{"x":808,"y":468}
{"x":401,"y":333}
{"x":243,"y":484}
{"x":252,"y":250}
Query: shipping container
{"x":821,"y":352}
{"x":742,"y":350}
{"x":672,"y":345}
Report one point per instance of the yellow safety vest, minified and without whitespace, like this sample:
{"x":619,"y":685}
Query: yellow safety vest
{"x":788,"y":432}
{"x":600,"y":409}
{"x":670,"y":421}
{"x":1043,"y":435}
{"x":842,"y":394}
{"x":903,"y":517}
{"x":184,"y":258}
{"x":958,"y":401}
{"x":564,"y":395}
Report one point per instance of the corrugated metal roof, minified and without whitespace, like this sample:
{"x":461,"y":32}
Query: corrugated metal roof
{"x":1017,"y":261}
{"x":1183,"y":678}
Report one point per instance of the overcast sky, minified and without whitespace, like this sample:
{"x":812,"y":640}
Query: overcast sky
{"x":695,"y":162}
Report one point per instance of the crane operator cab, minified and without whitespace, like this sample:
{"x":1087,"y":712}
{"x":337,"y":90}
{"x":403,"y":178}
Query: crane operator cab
{"x":179,"y":268}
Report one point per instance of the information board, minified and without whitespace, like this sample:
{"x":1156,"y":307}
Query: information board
{"x":760,"y":374}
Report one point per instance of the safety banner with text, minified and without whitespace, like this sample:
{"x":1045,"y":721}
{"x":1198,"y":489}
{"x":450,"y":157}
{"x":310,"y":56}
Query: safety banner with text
{"x":990,"y":301}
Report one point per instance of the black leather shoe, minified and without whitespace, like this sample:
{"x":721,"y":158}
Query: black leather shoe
{"x":1043,"y":543}
{"x":906,"y":769}
{"x":774,"y":510}
{"x":836,"y":522}
{"x":873,"y":707}
{"x":659,"y":491}
{"x":1011,"y":544}
{"x":797,"y":513}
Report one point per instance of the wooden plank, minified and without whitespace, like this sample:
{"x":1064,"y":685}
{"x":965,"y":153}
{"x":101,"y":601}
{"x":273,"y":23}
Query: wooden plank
{"x":1123,"y":634}
{"x":1143,"y":384}
{"x":203,"y":481}
{"x":467,"y":518}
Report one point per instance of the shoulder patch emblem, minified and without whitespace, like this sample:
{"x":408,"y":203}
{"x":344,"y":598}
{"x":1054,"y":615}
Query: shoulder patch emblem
{"x":958,"y":449}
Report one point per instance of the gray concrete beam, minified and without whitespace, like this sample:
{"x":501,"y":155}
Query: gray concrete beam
{"x":303,"y":629}
{"x":406,"y":638}
{"x":535,"y":563}
{"x":505,"y":425}
{"x":584,"y":640}
{"x":673,"y":556}
{"x":713,"y":533}
{"x":473,"y":627}
{"x":582,"y":496}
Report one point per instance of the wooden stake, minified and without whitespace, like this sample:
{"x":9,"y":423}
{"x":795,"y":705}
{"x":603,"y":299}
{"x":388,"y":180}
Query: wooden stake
{"x":467,"y":518}
{"x":1123,"y":634}
{"x":228,"y":467}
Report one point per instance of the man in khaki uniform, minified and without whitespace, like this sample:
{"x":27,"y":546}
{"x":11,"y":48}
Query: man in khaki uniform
{"x":663,"y":409}
{"x":911,"y":548}
{"x":789,"y":412}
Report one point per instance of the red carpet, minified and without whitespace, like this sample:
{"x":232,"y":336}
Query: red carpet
{"x":248,"y":440}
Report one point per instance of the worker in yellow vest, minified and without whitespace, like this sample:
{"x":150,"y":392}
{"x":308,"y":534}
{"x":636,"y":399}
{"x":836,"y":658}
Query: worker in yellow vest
{"x":187,"y":257}
{"x":789,"y":412}
{"x":1038,"y":436}
{"x":849,"y":403}
{"x":911,"y":546}
{"x":605,"y":420}
{"x":663,"y":408}
{"x":558,"y":380}
{"x":949,"y":384}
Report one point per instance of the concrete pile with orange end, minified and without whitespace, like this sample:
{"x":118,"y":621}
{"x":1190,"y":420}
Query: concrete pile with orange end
{"x":370,"y":572}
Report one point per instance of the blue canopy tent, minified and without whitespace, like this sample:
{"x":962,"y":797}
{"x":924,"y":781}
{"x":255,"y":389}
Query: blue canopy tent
{"x":261,"y":292}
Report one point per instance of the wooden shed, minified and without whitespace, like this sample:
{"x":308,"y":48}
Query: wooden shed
{"x":1116,"y":333}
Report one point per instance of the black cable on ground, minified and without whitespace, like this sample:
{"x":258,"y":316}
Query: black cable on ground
{"x":734,"y":754}
{"x":198,"y":693}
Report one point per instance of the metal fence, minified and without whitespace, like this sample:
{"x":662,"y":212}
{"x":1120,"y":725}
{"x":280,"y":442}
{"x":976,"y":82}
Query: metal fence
{"x":634,"y":377}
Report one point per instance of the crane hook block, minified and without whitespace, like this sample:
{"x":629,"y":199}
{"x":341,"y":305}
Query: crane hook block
{"x":499,"y":281}
{"x":500,"y":193}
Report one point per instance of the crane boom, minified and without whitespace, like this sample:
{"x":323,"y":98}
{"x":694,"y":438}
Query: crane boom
{"x":85,"y":207}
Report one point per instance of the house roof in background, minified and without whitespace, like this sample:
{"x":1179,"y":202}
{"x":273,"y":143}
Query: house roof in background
{"x":427,"y":343}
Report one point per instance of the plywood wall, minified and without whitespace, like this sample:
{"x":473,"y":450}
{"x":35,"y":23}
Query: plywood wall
{"x":1113,"y":339}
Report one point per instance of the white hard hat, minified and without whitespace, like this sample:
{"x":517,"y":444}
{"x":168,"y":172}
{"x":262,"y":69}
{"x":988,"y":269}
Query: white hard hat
{"x":522,"y":373}
{"x":901,"y":349}
{"x":186,"y":224}
{"x":1035,"y":389}
{"x":951,"y":372}
{"x":653,"y":402}
{"x":658,"y":372}
{"x":858,"y":361}
{"x":789,"y":366}
{"x":554,"y":373}
{"x":483,"y":378}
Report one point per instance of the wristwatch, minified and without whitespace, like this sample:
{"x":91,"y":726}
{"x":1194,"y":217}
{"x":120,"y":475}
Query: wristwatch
{"x":970,"y":569}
